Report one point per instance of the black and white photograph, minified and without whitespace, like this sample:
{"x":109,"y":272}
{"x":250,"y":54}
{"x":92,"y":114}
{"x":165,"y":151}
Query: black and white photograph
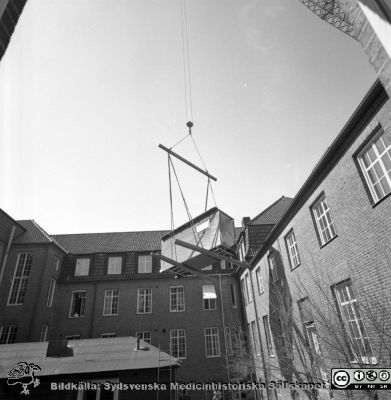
{"x":195,"y":199}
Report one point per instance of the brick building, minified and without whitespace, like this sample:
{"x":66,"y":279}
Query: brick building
{"x":317,"y":293}
{"x":104,"y":285}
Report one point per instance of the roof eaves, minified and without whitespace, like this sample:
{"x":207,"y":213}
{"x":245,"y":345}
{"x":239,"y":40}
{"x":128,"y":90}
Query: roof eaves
{"x":372,"y":101}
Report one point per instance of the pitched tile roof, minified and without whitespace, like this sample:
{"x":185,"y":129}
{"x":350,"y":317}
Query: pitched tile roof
{"x":34,"y":234}
{"x":273,"y":213}
{"x":87,"y":243}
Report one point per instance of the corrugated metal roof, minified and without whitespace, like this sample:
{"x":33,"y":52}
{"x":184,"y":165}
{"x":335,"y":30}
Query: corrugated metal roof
{"x":273,"y":213}
{"x":89,"y":355}
{"x":87,"y":243}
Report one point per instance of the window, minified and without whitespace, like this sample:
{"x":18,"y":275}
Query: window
{"x":268,"y":336}
{"x":353,"y":323}
{"x":255,"y":338}
{"x":307,"y":319}
{"x":292,"y":249}
{"x":202,"y":226}
{"x":144,"y":301}
{"x":82,"y":267}
{"x":72,"y":337}
{"x":209,"y":297}
{"x":273,"y":267}
{"x":78,"y":303}
{"x":244,"y":291}
{"x":259,"y":280}
{"x":107,"y":335}
{"x":111,"y":302}
{"x":375,"y":162}
{"x":52,"y":286}
{"x":8,"y":334}
{"x":20,"y":279}
{"x":178,"y":343}
{"x":248,"y":288}
{"x":145,"y":336}
{"x":233,"y":295}
{"x":114,"y":265}
{"x":44,"y":333}
{"x":323,"y":221}
{"x":56,"y":263}
{"x":177,"y":298}
{"x":144,"y":264}
{"x":234,"y":341}
{"x":212,"y":343}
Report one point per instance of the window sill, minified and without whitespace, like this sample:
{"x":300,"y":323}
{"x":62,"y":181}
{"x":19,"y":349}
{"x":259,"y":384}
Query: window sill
{"x":375,"y":204}
{"x":176,"y":311}
{"x":298,"y":265}
{"x":142,"y":313}
{"x":76,"y":316}
{"x":325,"y":244}
{"x":213,"y":356}
{"x":110,"y":315}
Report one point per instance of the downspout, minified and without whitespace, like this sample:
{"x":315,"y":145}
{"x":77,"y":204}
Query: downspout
{"x":259,"y":335}
{"x":5,"y":258}
{"x":224,"y":333}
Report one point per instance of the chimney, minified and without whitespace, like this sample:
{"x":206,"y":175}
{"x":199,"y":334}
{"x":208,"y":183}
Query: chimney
{"x":59,"y":348}
{"x":245,"y":221}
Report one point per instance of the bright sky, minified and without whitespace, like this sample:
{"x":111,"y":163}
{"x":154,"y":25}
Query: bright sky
{"x":88,"y":89}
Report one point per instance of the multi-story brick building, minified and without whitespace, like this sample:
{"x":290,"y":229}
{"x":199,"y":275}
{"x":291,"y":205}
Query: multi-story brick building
{"x":82,"y":286}
{"x":317,"y":293}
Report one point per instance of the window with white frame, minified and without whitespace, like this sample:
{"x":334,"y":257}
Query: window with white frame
{"x":44,"y":333}
{"x":178,"y":343}
{"x":209,"y":297}
{"x":268,"y":336}
{"x":52,"y":287}
{"x":144,"y":300}
{"x":273,"y":267}
{"x":353,"y":323}
{"x":114,"y":265}
{"x":82,"y":267}
{"x":375,"y":162}
{"x":111,"y":302}
{"x":108,"y":335}
{"x":8,"y":334}
{"x":20,"y":279}
{"x":144,"y":264}
{"x":248,"y":288}
{"x":177,"y":298}
{"x":144,"y":335}
{"x":212,"y":342}
{"x":56,"y":263}
{"x":293,"y":251}
{"x":258,"y":274}
{"x":78,"y":303}
{"x":323,"y":220}
{"x":97,"y":391}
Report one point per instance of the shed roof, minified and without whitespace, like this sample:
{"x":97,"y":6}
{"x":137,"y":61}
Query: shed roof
{"x":89,"y":355}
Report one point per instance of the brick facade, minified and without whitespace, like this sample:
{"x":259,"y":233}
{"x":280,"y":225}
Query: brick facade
{"x":359,"y":254}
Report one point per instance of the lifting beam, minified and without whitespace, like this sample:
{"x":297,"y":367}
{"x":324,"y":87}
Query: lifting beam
{"x":184,"y":267}
{"x":211,"y":253}
{"x":187,"y":162}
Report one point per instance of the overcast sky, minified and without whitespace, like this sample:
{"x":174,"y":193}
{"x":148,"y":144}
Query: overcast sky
{"x":89,"y":88}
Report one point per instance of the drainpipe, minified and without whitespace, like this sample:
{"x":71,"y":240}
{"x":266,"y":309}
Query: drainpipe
{"x":224,"y":333}
{"x":7,"y":252}
{"x":259,"y":335}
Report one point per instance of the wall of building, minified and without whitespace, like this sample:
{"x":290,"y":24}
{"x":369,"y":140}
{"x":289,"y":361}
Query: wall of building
{"x":361,"y":252}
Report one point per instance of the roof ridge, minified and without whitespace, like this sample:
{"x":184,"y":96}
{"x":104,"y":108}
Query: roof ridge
{"x":107,"y":233}
{"x":268,"y":208}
